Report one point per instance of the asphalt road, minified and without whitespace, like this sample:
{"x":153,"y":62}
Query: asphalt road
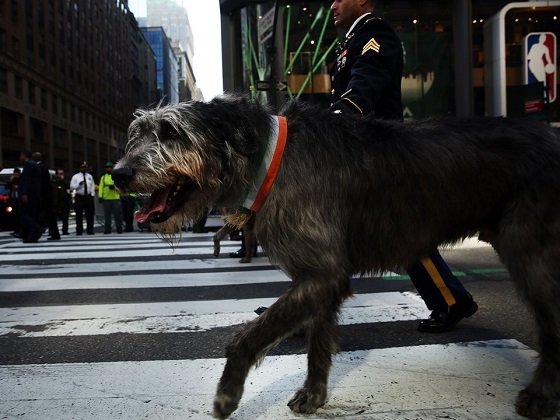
{"x":109,"y":313}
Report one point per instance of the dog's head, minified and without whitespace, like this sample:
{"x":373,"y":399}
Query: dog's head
{"x":189,"y":156}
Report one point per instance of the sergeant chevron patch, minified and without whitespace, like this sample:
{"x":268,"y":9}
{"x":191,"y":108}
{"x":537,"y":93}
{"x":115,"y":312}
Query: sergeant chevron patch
{"x":372,"y":44}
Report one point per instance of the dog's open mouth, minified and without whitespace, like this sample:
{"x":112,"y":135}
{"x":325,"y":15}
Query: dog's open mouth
{"x":161,"y":205}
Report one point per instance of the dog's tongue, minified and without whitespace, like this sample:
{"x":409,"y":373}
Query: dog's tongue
{"x":156,"y":204}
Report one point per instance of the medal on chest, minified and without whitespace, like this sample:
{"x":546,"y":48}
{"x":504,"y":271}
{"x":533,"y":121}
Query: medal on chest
{"x":341,"y":60}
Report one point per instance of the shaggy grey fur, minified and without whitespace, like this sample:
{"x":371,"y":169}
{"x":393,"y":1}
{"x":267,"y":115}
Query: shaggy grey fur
{"x":358,"y":196}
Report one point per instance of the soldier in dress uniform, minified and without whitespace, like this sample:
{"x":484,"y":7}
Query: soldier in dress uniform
{"x":366,"y":80}
{"x":366,"y":77}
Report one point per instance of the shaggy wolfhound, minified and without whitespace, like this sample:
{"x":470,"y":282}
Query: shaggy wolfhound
{"x":337,"y":196}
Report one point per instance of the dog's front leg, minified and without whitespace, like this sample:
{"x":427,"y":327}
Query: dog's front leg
{"x":321,"y":334}
{"x":314,"y":303}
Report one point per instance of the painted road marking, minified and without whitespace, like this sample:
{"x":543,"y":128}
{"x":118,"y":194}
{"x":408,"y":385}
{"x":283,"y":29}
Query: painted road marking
{"x":185,"y":316}
{"x":420,"y":382}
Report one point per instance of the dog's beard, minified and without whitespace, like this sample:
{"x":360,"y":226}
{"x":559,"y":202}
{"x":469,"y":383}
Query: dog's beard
{"x":170,"y":231}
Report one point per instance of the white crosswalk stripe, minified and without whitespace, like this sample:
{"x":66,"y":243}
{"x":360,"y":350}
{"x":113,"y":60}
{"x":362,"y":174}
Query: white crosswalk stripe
{"x":125,"y":327}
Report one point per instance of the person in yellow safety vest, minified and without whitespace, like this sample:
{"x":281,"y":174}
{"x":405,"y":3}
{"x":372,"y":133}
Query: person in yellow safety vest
{"x":111,"y":199}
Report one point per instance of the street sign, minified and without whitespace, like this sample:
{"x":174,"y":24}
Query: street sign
{"x":281,"y":86}
{"x":265,"y":26}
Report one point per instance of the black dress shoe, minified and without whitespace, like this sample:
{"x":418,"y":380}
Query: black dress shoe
{"x":441,"y":321}
{"x":53,"y":238}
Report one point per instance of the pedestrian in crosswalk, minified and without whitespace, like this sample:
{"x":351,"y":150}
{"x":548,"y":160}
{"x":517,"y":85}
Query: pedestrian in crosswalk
{"x":83,"y":185}
{"x":110,"y":198}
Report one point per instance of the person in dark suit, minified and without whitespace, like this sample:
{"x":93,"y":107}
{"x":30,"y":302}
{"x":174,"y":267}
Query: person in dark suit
{"x":29,"y":191}
{"x":62,"y":200}
{"x":47,"y":214}
{"x":366,"y":81}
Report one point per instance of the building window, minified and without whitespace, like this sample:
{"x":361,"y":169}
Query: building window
{"x":60,"y":138}
{"x":38,"y":129}
{"x":55,"y":100}
{"x":3,"y":80}
{"x":19,"y":87}
{"x":2,"y":39}
{"x":44,"y":99}
{"x":15,"y":11}
{"x":64,"y":109}
{"x":15,"y":46}
{"x":31,"y":93}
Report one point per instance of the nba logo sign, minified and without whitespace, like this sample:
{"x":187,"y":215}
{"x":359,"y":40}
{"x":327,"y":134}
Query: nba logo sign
{"x":540,"y":61}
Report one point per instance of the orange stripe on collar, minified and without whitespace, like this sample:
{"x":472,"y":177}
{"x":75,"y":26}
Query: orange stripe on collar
{"x":269,"y":167}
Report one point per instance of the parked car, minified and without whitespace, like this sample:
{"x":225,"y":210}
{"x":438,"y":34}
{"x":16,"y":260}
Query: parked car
{"x":6,"y":210}
{"x":6,"y":174}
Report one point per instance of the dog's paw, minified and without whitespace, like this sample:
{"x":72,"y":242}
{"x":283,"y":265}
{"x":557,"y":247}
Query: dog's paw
{"x":224,"y":405}
{"x":245,"y":260}
{"x":305,"y":401}
{"x":216,"y":249}
{"x":534,"y":405}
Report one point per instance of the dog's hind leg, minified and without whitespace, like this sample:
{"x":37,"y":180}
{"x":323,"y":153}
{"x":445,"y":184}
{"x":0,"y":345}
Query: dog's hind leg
{"x":530,"y":248}
{"x":542,"y":396}
{"x":312,"y":302}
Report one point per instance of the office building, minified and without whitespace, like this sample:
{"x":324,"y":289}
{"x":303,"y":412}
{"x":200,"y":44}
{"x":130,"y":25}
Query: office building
{"x":72,"y":72}
{"x":173,"y":18}
{"x":167,"y":73}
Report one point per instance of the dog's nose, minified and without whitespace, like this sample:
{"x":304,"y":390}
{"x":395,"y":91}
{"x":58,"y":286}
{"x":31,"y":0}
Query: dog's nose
{"x":122,"y":176}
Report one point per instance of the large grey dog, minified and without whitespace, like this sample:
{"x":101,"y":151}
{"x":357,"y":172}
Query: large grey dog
{"x":357,"y":196}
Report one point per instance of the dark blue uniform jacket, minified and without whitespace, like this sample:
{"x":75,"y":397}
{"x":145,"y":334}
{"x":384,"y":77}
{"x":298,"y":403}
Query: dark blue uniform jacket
{"x":366,"y":77}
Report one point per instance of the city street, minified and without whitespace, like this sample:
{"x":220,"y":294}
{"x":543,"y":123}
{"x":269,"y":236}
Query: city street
{"x":128,"y":327}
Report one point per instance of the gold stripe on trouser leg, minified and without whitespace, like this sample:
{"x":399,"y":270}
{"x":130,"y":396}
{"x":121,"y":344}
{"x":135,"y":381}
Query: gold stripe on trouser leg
{"x":438,"y":281}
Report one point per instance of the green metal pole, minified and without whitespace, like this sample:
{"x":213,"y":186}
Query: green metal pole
{"x":287,"y":31}
{"x":304,"y":40}
{"x":321,"y":61}
{"x":320,"y":40}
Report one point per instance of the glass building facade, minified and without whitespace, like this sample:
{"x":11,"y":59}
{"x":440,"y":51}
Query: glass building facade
{"x":167,"y":79}
{"x":285,"y":49}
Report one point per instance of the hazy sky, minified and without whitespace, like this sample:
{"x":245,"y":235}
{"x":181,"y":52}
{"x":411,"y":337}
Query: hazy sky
{"x":204,"y":17}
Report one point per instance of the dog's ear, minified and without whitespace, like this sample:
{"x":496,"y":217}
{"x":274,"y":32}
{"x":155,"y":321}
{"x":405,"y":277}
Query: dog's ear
{"x":245,"y":123}
{"x":244,"y":144}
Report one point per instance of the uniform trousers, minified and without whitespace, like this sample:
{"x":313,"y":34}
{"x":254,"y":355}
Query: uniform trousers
{"x":84,"y":204}
{"x":436,"y":284}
